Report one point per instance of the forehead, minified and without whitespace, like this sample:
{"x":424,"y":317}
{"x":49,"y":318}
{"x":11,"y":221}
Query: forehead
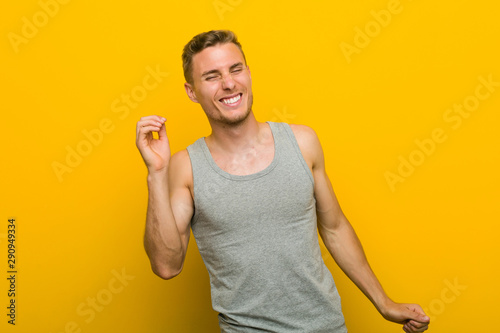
{"x":216,"y":57}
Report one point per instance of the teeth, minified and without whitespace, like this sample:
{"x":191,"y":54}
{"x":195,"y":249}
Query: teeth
{"x":232,"y":100}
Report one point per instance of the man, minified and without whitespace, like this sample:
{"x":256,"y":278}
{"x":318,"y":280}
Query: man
{"x":254,"y":195}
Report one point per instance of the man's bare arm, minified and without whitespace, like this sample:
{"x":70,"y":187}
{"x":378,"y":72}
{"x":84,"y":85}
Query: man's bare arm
{"x":170,"y":205}
{"x":343,"y":244}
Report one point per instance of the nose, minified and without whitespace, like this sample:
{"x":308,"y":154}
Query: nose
{"x":228,"y":82}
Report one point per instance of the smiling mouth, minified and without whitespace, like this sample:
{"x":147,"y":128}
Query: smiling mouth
{"x":231,"y":100}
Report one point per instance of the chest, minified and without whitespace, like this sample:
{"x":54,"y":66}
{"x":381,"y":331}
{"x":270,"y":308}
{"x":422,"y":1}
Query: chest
{"x":246,"y":162}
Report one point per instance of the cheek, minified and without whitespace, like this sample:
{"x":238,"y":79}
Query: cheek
{"x":208,"y":92}
{"x":245,"y":82}
{"x":249,"y":81}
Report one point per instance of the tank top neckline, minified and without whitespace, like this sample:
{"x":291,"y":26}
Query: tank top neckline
{"x":255,"y":175}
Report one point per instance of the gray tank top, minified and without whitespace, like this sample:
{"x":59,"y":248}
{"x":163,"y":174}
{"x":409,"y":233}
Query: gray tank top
{"x":257,"y":235}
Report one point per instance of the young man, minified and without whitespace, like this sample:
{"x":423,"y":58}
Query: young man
{"x":253,"y":193}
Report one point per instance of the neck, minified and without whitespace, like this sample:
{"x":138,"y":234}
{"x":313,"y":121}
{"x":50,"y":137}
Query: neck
{"x":235,"y":138}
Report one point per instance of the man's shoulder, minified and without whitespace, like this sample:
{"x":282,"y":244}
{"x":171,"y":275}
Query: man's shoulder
{"x":181,"y":156}
{"x":300,"y":128}
{"x":306,"y":136}
{"x":308,"y":142}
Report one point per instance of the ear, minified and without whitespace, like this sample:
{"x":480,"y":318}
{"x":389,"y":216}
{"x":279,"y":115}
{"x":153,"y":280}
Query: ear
{"x":190,"y":92}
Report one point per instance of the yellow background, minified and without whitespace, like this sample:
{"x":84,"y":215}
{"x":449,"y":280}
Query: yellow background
{"x":76,"y":231}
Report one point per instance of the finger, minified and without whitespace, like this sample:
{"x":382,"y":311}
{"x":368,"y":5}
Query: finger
{"x":149,"y":128}
{"x":416,"y":326}
{"x":147,"y":132}
{"x":162,"y":132}
{"x":150,"y":120}
{"x":410,"y":324}
{"x":143,"y":123}
{"x":153,"y":117}
{"x":407,"y":328}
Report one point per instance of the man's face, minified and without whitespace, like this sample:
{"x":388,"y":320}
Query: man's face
{"x":221,"y":84}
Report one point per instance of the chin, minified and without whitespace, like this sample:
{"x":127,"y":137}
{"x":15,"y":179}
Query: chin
{"x":236,"y":119}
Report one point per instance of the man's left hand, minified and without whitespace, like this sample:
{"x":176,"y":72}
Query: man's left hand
{"x":411,"y":316}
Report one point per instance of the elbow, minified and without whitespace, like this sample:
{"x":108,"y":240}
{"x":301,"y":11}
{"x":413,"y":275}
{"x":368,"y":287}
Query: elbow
{"x":166,"y":267}
{"x":166,"y":273}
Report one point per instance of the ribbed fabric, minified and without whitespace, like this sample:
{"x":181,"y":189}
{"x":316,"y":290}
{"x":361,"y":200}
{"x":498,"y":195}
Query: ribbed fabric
{"x":257,"y":235}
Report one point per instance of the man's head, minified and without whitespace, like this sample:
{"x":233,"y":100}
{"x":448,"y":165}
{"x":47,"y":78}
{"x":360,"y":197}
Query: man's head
{"x":217,"y":77}
{"x":200,"y":42}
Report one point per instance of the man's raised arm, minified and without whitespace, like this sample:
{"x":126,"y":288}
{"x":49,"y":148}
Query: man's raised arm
{"x":170,"y":205}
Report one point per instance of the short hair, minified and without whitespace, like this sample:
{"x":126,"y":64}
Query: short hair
{"x":200,"y":42}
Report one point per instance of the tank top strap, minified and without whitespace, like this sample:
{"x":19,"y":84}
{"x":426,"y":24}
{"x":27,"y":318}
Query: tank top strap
{"x":287,"y":144}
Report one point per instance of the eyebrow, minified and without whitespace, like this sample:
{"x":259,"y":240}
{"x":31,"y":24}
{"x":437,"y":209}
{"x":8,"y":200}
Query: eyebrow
{"x":215,"y":71}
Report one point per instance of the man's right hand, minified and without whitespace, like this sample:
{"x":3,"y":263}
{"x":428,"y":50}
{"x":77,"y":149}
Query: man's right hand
{"x":154,"y":152}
